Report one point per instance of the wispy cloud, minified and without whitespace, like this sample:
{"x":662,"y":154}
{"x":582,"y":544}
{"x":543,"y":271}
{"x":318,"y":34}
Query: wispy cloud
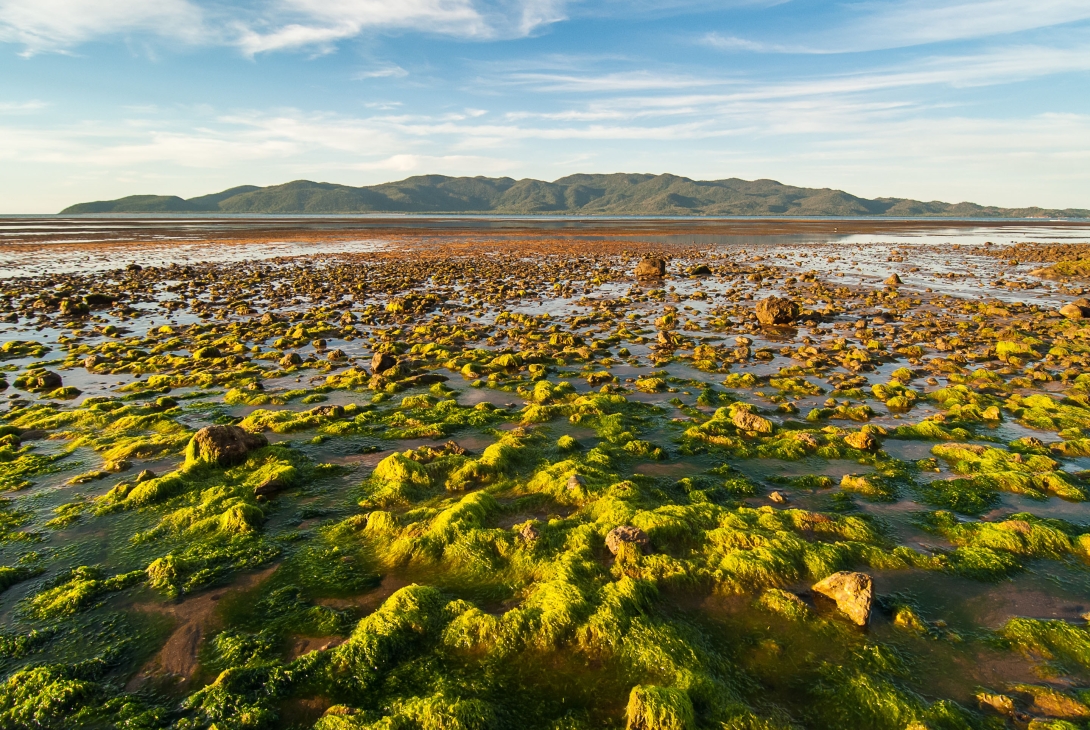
{"x":50,"y":25}
{"x":382,"y":72}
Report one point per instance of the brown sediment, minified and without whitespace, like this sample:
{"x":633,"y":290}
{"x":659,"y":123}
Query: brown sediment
{"x":195,"y":618}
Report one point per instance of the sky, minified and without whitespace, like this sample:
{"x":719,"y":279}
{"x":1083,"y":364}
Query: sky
{"x":980,"y":100}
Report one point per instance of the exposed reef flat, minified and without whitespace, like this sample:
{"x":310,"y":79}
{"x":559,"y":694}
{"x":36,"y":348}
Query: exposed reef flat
{"x":465,"y":474}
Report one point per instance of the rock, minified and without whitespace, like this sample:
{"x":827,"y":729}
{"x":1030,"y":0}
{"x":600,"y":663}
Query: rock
{"x":269,"y":487}
{"x":529,"y":532}
{"x":381,"y":362}
{"x":206,"y":353}
{"x":145,"y":476}
{"x":861,"y":440}
{"x":651,"y":269}
{"x":1074,"y":310}
{"x":750,"y":421}
{"x":319,"y":344}
{"x":626,"y":533}
{"x":853,"y":593}
{"x":893,"y":280}
{"x":775,"y":311}
{"x":1002,"y":704}
{"x":33,"y":434}
{"x":92,"y":361}
{"x":134,"y":267}
{"x":700,"y":270}
{"x":292,"y":359}
{"x":268,"y":318}
{"x":576,"y":483}
{"x":39,"y":380}
{"x":778,"y":497}
{"x":223,"y":445}
{"x":328,"y":411}
{"x":335,"y":355}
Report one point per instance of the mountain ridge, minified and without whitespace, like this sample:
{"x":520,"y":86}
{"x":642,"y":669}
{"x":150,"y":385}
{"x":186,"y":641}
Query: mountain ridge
{"x":582,"y":194}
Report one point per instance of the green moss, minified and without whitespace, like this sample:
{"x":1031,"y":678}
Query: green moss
{"x":659,"y":708}
{"x":77,"y":591}
{"x":1053,"y":640}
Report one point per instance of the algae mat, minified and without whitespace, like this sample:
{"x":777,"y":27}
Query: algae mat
{"x":484,"y":479}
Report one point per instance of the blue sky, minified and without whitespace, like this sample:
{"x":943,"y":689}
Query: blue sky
{"x":983,"y":100}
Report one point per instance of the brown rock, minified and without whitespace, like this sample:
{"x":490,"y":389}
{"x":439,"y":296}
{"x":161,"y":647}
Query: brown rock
{"x":853,"y":593}
{"x":651,"y":269}
{"x":576,"y":483}
{"x":775,"y":311}
{"x":292,"y":359}
{"x":381,"y":362}
{"x":626,"y":533}
{"x":749,"y":421}
{"x":893,"y":280}
{"x":1074,"y":310}
{"x":529,"y":532}
{"x":778,"y":497}
{"x":269,"y":487}
{"x":223,"y":445}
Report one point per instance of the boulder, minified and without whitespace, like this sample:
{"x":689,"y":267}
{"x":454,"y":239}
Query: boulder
{"x":38,"y":380}
{"x":750,"y":421}
{"x":223,"y":445}
{"x":775,"y":311}
{"x":651,"y":269}
{"x":700,"y":270}
{"x":1078,"y":309}
{"x":853,"y":593}
{"x":381,"y":362}
{"x":626,"y":533}
{"x":893,"y":280}
{"x":292,"y":359}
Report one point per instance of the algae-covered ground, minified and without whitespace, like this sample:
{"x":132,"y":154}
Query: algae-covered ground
{"x":453,"y":427}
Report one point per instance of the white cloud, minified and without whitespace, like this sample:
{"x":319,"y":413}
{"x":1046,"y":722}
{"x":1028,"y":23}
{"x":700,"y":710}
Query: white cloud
{"x":914,"y":22}
{"x":45,"y":25}
{"x":382,"y":72}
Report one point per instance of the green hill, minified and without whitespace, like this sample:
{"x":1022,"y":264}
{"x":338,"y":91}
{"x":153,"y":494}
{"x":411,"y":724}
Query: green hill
{"x":616,"y":194}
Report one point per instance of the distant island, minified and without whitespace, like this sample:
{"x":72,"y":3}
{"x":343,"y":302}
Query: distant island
{"x":616,"y":194}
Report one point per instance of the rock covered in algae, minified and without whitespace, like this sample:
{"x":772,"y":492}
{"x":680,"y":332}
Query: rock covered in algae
{"x":626,"y":533}
{"x":775,"y":310}
{"x":861,"y":440}
{"x":651,"y":269}
{"x":750,"y":421}
{"x":223,"y":445}
{"x":853,"y":593}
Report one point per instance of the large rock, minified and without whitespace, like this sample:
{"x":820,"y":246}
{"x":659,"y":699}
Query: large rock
{"x":1078,"y":309}
{"x":861,"y":440}
{"x":773,"y":311}
{"x":750,"y":421}
{"x":381,"y":362}
{"x":223,"y":445}
{"x":626,"y":533}
{"x":853,"y":593}
{"x":651,"y":269}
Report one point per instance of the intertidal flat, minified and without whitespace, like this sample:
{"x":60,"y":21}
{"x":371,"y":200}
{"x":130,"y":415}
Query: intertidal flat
{"x":476,"y":475}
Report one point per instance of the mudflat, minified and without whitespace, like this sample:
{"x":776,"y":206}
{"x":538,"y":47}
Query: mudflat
{"x":491,"y":473}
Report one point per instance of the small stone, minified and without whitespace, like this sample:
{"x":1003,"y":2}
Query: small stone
{"x":292,"y":359}
{"x":576,"y":483}
{"x":893,"y":280}
{"x":853,"y":593}
{"x":529,"y":532}
{"x":628,"y":534}
{"x":778,"y":497}
{"x":145,"y":475}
